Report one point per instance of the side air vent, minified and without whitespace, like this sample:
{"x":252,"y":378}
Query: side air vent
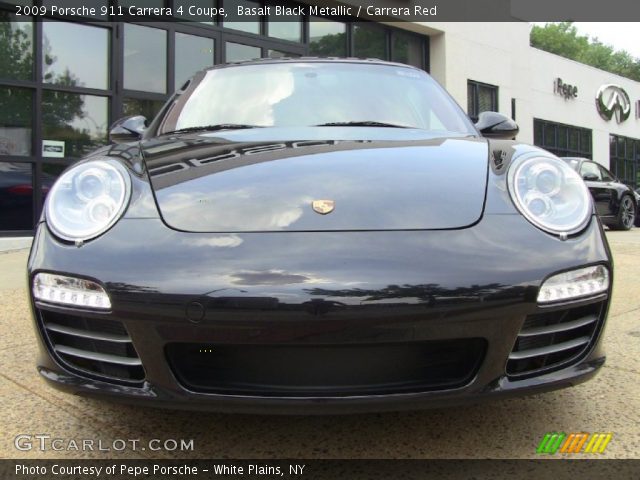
{"x":554,"y":339}
{"x":98,"y":346}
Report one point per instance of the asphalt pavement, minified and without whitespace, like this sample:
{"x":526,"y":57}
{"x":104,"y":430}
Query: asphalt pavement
{"x":502,"y":429}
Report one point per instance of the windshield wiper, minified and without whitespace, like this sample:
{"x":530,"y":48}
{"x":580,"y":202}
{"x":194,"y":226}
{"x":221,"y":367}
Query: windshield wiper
{"x":213,"y":128}
{"x":362,"y":123}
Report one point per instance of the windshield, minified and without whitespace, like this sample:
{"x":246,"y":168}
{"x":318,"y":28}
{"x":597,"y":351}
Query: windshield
{"x":316,"y":93}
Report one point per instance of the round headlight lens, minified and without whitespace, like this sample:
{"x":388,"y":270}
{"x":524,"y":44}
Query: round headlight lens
{"x":550,"y":194}
{"x":87,"y":199}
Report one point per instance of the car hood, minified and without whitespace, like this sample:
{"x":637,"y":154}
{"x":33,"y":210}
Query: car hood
{"x":268,"y":179}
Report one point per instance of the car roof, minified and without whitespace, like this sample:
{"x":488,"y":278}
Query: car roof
{"x":268,"y":61}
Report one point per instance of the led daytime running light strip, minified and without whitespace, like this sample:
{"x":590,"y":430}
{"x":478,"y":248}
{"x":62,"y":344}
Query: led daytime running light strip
{"x":583,"y":282}
{"x":71,"y":291}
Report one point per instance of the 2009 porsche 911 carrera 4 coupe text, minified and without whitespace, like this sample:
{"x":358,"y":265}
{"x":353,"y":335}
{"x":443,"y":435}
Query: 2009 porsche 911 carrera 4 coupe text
{"x":314,"y":235}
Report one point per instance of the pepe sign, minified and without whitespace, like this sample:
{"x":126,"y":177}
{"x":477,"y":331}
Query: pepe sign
{"x":564,"y":89}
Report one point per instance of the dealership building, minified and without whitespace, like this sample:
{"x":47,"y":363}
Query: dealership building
{"x":64,"y":81}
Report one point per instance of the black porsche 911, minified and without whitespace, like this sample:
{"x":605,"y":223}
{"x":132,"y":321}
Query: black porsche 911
{"x":616,"y":203}
{"x":318,"y":235}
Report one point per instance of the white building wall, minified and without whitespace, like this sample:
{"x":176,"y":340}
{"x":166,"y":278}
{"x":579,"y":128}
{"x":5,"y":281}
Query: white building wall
{"x":493,"y":53}
{"x":580,"y":111}
{"x":500,"y":54}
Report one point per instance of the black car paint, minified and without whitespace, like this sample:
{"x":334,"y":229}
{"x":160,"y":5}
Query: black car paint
{"x":468,"y":279}
{"x":393,"y":286}
{"x":211,"y":186}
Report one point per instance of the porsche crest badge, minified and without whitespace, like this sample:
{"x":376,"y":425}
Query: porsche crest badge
{"x":323,"y":206}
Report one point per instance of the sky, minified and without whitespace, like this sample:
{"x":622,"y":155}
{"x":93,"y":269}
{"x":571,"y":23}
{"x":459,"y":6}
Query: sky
{"x":620,"y":35}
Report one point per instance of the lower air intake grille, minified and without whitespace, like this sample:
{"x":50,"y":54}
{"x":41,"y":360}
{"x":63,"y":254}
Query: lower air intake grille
{"x":98,"y":346}
{"x":326,"y":370}
{"x":554,"y":339}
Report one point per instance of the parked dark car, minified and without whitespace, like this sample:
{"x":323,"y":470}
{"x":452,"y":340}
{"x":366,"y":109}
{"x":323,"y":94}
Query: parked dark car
{"x":16,"y":194}
{"x":318,"y":235}
{"x":615,"y":202}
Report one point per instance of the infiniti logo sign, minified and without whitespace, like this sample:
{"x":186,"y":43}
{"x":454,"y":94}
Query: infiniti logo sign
{"x":612,"y":99}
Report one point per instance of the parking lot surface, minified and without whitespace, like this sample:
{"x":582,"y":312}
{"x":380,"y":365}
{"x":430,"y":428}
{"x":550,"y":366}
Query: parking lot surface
{"x":503,"y":429}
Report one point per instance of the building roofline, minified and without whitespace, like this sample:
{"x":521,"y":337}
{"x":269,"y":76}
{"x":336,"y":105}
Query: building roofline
{"x":591,"y":67}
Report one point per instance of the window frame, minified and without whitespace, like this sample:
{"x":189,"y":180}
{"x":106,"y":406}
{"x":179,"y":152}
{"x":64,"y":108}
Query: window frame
{"x":473,"y":100}
{"x":552,"y":144}
{"x":629,"y":159}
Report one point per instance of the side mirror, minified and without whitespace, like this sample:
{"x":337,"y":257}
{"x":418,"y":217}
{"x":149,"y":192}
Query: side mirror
{"x":590,"y":177}
{"x":497,"y":125}
{"x":128,"y":129}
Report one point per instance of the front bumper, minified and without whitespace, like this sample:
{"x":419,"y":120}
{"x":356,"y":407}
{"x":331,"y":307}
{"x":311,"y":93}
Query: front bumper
{"x":363,"y":293}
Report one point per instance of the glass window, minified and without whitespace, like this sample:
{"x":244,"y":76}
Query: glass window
{"x":408,"y":49}
{"x":236,"y":52}
{"x":287,"y":27}
{"x":136,"y":106}
{"x":574,"y":140}
{"x":591,"y":169}
{"x":204,"y":4}
{"x":50,"y":173}
{"x":606,"y":175}
{"x":246,"y":23}
{"x":16,"y":48}
{"x":192,"y":54}
{"x":563,"y":134}
{"x":80,"y":121}
{"x":16,"y":105}
{"x":327,"y":38}
{"x":537,"y":133}
{"x":563,"y":140}
{"x":629,"y":149}
{"x":145,"y":58}
{"x":67,"y":60}
{"x":369,"y":42}
{"x":625,"y":159}
{"x":619,"y":167}
{"x":306,"y":94}
{"x":487,"y":98}
{"x":585,"y":141}
{"x":279,"y":54}
{"x":481,"y":97}
{"x":621,"y":147}
{"x":550,"y":135}
{"x":16,"y":196}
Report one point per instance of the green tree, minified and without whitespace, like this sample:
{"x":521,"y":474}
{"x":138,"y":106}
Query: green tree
{"x":16,"y":63}
{"x":563,"y":39}
{"x":16,"y":52}
{"x":331,"y":45}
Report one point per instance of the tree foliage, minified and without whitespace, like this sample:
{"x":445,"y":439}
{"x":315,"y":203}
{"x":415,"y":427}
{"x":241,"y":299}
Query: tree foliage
{"x":330,"y":45}
{"x":563,"y":39}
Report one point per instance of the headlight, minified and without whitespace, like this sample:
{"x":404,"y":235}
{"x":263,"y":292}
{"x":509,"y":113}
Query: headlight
{"x":550,"y":194}
{"x":87,"y":199}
